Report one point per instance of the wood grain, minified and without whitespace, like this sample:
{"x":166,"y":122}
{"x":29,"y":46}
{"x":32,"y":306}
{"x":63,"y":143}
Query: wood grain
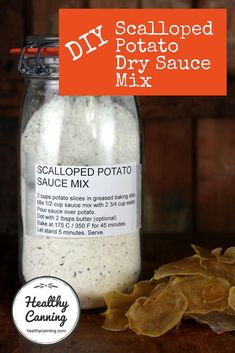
{"x":8,"y":176}
{"x":166,"y":3}
{"x":44,"y":14}
{"x":190,"y":107}
{"x":11,"y":36}
{"x":216,"y":175}
{"x":113,"y":4}
{"x":230,"y":5}
{"x":167,"y":175}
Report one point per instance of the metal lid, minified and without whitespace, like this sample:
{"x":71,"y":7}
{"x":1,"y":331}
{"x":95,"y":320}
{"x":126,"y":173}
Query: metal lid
{"x":35,"y":56}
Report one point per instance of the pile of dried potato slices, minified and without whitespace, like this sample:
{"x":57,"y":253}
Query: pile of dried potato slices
{"x":201,"y":287}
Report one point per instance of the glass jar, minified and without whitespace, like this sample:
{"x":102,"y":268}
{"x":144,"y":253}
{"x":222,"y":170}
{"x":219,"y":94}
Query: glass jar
{"x":80,"y":182}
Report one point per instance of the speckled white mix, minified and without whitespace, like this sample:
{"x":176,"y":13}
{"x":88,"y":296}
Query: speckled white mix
{"x":79,"y":131}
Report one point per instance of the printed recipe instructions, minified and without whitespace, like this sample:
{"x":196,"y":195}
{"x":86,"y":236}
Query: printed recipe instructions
{"x":79,"y":201}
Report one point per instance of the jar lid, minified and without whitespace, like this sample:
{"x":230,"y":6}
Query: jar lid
{"x":32,"y":62}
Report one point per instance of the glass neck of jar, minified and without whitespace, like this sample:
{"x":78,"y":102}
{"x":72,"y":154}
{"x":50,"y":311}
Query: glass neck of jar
{"x":45,"y":68}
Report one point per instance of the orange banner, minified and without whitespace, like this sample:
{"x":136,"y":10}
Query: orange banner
{"x":143,"y":51}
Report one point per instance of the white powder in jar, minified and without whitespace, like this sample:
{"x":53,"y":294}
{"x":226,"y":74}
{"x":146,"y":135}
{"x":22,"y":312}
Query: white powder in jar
{"x":79,"y":131}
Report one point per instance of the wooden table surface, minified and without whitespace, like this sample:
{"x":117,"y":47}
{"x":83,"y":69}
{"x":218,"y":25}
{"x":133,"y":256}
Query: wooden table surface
{"x":89,"y":337}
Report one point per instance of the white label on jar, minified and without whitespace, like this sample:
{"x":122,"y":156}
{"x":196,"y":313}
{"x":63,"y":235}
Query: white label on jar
{"x":87,"y":201}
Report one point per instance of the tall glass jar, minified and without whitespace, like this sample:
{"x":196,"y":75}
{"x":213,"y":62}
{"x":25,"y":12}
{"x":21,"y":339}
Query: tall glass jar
{"x":80,"y":182}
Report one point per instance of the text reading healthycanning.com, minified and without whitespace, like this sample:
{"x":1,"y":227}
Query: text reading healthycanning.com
{"x":143,"y":52}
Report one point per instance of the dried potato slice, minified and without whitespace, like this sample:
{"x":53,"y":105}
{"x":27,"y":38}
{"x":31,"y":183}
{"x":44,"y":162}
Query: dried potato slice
{"x":118,"y":303}
{"x":228,"y":257}
{"x":139,"y":289}
{"x":203,"y":294}
{"x":115,"y":320}
{"x":201,"y":252}
{"x":157,"y":290}
{"x":184,"y":267}
{"x":219,"y":321}
{"x":220,"y":269}
{"x":229,"y":254}
{"x":154,"y":317}
{"x":231,"y":298}
{"x":215,"y":291}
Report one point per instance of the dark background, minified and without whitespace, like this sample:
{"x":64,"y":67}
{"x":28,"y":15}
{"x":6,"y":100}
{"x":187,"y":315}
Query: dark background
{"x":189,"y":142}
